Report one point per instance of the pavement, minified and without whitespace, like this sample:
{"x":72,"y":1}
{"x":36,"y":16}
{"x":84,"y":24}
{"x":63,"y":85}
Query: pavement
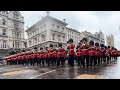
{"x":103,"y":71}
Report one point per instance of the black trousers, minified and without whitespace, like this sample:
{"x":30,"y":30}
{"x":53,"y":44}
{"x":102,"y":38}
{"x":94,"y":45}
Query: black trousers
{"x":32,"y":61}
{"x":98,"y":59}
{"x":42,"y":61}
{"x":50,"y":60}
{"x":93,"y":59}
{"x":71,"y":60}
{"x":104,"y":58}
{"x":85,"y":58}
{"x":78,"y":59}
{"x":108,"y":58}
{"x":60,"y":60}
{"x":55,"y":60}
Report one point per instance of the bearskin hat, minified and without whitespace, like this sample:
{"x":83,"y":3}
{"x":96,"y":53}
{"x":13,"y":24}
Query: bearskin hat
{"x":41,"y":48}
{"x":91,"y":42}
{"x":105,"y":46}
{"x":112,"y":47}
{"x":109,"y":47}
{"x":102,"y":45}
{"x":51,"y":45}
{"x":35,"y":47}
{"x":70,"y":40}
{"x":84,"y":39}
{"x":59,"y":45}
{"x":97,"y":44}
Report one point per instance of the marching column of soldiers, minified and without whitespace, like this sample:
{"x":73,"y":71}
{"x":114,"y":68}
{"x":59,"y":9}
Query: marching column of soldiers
{"x":86,"y":54}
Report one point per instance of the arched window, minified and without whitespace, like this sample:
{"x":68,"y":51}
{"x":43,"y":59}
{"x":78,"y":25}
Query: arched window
{"x":43,"y":38}
{"x":53,"y":36}
{"x":29,"y":43}
{"x":16,"y":15}
{"x":3,"y":22}
{"x":59,"y":38}
{"x":63,"y":38}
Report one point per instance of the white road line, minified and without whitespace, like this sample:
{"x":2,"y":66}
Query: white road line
{"x":1,"y":68}
{"x":47,"y":73}
{"x":41,"y":74}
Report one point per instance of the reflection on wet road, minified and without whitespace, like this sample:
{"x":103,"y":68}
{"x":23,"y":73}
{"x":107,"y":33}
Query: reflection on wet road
{"x":103,"y":71}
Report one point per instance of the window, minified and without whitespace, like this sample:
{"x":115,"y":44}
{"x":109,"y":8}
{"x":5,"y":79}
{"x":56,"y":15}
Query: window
{"x":13,"y":44}
{"x":58,"y":27}
{"x":37,"y":30}
{"x":68,"y":36}
{"x":63,"y":38}
{"x":17,"y":35}
{"x":59,"y":38}
{"x":3,"y":22}
{"x":4,"y":32}
{"x":53,"y":26}
{"x":3,"y":12}
{"x":41,"y":29}
{"x":43,"y":38}
{"x":62,"y":29}
{"x":4,"y":44}
{"x":45,"y":27}
{"x":16,"y":15}
{"x":16,"y":24}
{"x":29,"y":43}
{"x":33,"y":33}
{"x":53,"y":36}
{"x":17,"y":45}
{"x":35,"y":40}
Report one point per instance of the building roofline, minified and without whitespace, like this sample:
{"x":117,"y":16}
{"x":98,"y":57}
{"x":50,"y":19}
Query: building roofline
{"x":73,"y":29}
{"x":46,"y":17}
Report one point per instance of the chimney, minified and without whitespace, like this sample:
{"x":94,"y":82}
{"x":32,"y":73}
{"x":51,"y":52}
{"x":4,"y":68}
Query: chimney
{"x":64,"y":20}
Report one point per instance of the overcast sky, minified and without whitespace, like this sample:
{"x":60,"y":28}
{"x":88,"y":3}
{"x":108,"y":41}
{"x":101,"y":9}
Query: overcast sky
{"x":93,"y":21}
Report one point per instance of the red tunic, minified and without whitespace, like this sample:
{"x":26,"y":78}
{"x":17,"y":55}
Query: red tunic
{"x":42,"y":54}
{"x":79,"y":52}
{"x":97,"y":52}
{"x":92,"y":51}
{"x":55,"y":54}
{"x":85,"y":49}
{"x":50,"y":52}
{"x":71,"y":49}
{"x":60,"y":52}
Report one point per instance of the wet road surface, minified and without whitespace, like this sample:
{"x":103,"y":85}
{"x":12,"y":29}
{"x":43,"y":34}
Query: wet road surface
{"x":103,"y":71}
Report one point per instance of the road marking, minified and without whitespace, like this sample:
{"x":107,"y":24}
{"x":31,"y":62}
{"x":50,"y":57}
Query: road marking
{"x":1,"y":68}
{"x":16,"y":72}
{"x":47,"y":73}
{"x":41,"y":74}
{"x":89,"y":76}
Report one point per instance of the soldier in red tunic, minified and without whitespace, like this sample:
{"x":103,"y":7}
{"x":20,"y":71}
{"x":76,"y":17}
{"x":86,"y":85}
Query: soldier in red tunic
{"x":92,"y":54}
{"x":78,"y":54}
{"x":85,"y":47}
{"x":42,"y":56}
{"x":46,"y":54}
{"x":60,"y":55}
{"x":102,"y":52}
{"x":55,"y":56}
{"x":97,"y":53}
{"x":50,"y":55}
{"x":71,"y":53}
{"x":109,"y":52}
